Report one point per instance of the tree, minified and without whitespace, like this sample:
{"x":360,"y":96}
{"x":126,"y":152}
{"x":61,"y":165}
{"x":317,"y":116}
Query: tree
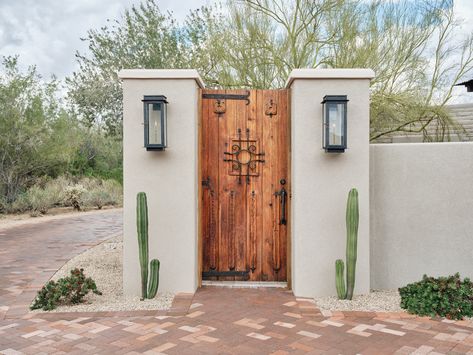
{"x":142,"y":38}
{"x":411,"y":45}
{"x":35,"y":136}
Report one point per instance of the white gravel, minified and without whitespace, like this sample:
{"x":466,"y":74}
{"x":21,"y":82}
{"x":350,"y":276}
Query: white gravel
{"x":375,"y":301}
{"x":104,"y":264}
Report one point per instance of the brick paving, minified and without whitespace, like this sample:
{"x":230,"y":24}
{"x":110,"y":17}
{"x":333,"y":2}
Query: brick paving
{"x":214,"y":321}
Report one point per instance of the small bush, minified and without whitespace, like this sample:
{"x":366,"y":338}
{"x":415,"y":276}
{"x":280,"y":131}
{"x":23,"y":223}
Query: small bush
{"x":39,"y":200}
{"x":68,"y":290}
{"x":74,"y":195}
{"x":444,"y":296}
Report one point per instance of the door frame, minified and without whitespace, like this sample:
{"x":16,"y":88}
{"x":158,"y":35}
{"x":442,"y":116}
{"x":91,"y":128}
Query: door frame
{"x":200,"y":244}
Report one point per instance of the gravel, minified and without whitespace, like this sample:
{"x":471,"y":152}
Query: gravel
{"x":375,"y":301}
{"x":104,"y":264}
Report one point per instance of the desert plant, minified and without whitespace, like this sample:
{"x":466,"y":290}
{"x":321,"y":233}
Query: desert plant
{"x":142,"y":229}
{"x":39,"y":200}
{"x":97,"y":198}
{"x":74,"y":195}
{"x":444,"y":296}
{"x":352,"y":219}
{"x":68,"y":290}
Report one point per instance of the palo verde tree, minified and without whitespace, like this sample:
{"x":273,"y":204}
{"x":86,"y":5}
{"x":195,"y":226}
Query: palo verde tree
{"x":413,"y":46}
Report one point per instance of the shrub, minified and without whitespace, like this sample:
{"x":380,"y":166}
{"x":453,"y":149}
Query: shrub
{"x":74,"y":195}
{"x":97,"y":198}
{"x":68,"y":290}
{"x":444,"y":296}
{"x":103,"y":192}
{"x":39,"y":200}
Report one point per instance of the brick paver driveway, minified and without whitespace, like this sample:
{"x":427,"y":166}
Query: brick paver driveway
{"x":219,"y":321}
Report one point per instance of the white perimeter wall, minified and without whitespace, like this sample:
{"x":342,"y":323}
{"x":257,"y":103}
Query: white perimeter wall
{"x":169,"y":178}
{"x":321,"y":181}
{"x":421,"y":211}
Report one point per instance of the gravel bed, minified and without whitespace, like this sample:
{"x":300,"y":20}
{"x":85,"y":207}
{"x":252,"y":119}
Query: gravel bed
{"x":375,"y":301}
{"x":104,"y":264}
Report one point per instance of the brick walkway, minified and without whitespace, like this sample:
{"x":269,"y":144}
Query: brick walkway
{"x":31,"y":254}
{"x":219,"y":321}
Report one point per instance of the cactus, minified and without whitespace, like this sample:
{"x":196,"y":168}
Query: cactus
{"x":153,"y":278}
{"x":340,"y":281}
{"x":352,"y":218}
{"x":352,"y":240}
{"x":142,"y":229}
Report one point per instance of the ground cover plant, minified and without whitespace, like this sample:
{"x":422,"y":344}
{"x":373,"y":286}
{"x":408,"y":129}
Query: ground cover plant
{"x":449,"y":297}
{"x":67,"y":290}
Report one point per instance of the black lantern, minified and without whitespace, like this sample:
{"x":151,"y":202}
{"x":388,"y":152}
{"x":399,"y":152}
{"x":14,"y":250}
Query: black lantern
{"x":334,"y":123}
{"x":155,"y":122}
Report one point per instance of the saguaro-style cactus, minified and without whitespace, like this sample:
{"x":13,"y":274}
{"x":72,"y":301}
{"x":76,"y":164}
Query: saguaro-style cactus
{"x":142,"y":229}
{"x":352,"y":219}
{"x":352,"y":240}
{"x":340,"y":280}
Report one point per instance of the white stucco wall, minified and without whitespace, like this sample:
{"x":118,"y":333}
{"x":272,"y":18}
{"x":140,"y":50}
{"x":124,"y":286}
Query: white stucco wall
{"x":421,"y":211}
{"x":321,"y":181}
{"x":169,"y":178}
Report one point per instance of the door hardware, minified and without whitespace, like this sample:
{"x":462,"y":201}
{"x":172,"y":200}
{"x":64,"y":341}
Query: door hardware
{"x":283,"y":201}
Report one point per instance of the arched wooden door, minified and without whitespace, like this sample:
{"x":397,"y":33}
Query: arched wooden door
{"x":245,"y":137}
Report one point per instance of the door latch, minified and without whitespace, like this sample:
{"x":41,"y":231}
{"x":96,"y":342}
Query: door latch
{"x":283,"y":201}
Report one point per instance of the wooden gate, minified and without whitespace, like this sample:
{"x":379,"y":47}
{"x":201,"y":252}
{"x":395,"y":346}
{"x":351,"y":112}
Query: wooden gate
{"x":244,"y":162}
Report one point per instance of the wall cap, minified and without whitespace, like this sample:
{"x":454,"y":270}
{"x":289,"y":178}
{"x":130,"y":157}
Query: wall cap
{"x":161,"y":74}
{"x":356,"y":73}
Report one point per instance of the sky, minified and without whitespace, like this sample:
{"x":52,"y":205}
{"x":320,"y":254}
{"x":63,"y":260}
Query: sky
{"x":47,"y":33}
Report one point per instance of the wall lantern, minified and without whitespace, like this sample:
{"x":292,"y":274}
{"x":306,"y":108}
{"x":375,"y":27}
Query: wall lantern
{"x":334,"y":123}
{"x":155,"y":122}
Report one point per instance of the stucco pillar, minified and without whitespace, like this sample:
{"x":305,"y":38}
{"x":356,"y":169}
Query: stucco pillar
{"x":321,"y":180}
{"x":169,"y":178}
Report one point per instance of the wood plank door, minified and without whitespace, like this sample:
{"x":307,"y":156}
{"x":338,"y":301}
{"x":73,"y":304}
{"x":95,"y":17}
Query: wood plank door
{"x":245,"y":192}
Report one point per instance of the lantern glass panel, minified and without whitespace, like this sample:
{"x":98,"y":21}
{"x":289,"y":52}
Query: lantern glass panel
{"x":155,"y":133}
{"x":335,"y":123}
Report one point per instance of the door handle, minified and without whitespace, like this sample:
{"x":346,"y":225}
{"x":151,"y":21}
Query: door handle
{"x":283,"y":201}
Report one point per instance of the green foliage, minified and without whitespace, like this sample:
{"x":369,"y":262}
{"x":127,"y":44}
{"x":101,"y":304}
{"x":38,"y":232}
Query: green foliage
{"x":352,"y":218}
{"x":444,"y":296}
{"x":68,"y":290}
{"x":142,"y":231}
{"x":413,"y":46}
{"x":35,"y":131}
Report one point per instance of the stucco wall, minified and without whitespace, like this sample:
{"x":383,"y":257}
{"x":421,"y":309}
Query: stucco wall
{"x":321,"y":181}
{"x":169,"y":178}
{"x":421,"y":211}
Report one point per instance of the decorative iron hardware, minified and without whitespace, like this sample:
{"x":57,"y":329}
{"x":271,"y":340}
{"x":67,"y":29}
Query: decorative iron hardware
{"x":212,"y":273}
{"x":271,"y":108}
{"x":283,"y":200}
{"x":206,"y":182}
{"x":220,"y":107}
{"x":228,"y":97}
{"x":244,"y":157}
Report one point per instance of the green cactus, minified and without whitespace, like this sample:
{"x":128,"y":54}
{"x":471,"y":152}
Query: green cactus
{"x":340,"y":280}
{"x":142,"y":229}
{"x":352,"y":240}
{"x":352,"y":219}
{"x":153,"y":278}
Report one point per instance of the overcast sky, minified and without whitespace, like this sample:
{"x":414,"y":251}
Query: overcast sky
{"x":47,"y":33}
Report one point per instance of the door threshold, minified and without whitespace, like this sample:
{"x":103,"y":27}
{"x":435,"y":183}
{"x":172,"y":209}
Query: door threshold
{"x":245,"y":284}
